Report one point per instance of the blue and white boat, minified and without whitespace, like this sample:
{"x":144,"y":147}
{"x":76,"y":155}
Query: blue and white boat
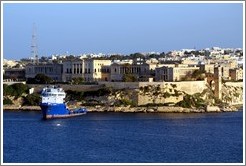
{"x":53,"y":104}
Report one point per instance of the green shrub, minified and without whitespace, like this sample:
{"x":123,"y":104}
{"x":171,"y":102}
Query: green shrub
{"x":174,"y":85}
{"x":99,"y":92}
{"x":8,"y":90}
{"x":129,"y":78}
{"x":166,"y":95}
{"x":32,"y":99}
{"x":7,"y":101}
{"x":126,"y":102}
{"x":191,"y":101}
{"x":15,"y":90}
{"x":74,"y":95}
{"x":20,"y":89}
{"x":77,"y":81}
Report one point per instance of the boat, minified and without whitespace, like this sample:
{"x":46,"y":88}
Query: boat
{"x":53,"y":104}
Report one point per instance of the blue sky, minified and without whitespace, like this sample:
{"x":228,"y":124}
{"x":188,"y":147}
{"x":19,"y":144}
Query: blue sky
{"x":119,"y":28}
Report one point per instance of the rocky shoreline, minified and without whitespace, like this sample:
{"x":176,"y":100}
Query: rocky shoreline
{"x":128,"y":109}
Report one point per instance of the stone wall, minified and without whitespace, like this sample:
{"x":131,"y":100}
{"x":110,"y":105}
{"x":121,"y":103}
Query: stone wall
{"x":232,"y":93}
{"x":121,"y":85}
{"x":189,"y":87}
{"x":38,"y":88}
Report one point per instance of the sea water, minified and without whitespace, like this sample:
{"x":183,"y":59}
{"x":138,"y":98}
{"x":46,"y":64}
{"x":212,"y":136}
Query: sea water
{"x":124,"y":138}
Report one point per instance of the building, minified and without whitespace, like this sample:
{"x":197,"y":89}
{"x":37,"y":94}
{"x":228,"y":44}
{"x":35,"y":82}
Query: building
{"x":106,"y":73}
{"x":72,"y":69}
{"x":173,"y":72}
{"x":14,"y":73}
{"x":52,"y":70}
{"x":93,"y":69}
{"x":208,"y":68}
{"x":236,"y":74}
{"x":140,"y":71}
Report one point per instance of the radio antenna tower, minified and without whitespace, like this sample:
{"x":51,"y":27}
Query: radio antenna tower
{"x":34,"y":47}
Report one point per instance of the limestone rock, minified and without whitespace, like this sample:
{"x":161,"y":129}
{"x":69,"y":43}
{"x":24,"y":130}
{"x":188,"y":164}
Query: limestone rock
{"x":212,"y":109}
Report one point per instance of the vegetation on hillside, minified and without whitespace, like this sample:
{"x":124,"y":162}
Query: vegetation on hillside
{"x":32,"y":99}
{"x":40,"y":79}
{"x":16,"y":90}
{"x":196,"y":75}
{"x":7,"y":101}
{"x":190,"y":101}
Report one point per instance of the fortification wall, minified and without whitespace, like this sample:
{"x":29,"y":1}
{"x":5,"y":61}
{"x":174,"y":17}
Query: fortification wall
{"x":121,"y":85}
{"x":189,"y":87}
{"x":232,"y":93}
{"x":143,"y":100}
{"x":38,"y":88}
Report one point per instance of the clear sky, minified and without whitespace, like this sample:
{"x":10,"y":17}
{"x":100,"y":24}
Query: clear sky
{"x":119,"y":28}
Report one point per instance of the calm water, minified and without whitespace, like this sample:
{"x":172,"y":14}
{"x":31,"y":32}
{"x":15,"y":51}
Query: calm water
{"x":124,"y":138}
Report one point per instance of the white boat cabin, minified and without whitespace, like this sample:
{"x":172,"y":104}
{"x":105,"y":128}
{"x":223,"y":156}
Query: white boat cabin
{"x":53,"y":95}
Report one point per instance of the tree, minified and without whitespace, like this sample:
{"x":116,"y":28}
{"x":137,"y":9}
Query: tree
{"x":43,"y":79}
{"x":14,"y":90}
{"x":32,"y":99}
{"x":129,"y":78}
{"x":78,"y":80}
{"x":137,"y":55}
{"x":19,"y":89}
{"x":17,"y":66}
{"x":194,"y":76}
{"x":7,"y":101}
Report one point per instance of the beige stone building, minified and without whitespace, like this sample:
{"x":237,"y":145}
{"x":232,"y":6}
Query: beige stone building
{"x":140,"y":71}
{"x":236,"y":74}
{"x":93,"y":69}
{"x":106,"y":76}
{"x":208,"y":68}
{"x":173,"y":72}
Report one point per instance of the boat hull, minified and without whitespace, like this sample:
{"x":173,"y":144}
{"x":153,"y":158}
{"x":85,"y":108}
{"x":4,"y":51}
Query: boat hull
{"x":63,"y":116}
{"x":51,"y":111}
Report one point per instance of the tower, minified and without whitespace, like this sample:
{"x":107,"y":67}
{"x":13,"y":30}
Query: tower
{"x":218,"y":82}
{"x":34,"y":47}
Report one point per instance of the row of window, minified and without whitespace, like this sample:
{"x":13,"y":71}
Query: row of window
{"x":54,"y":95}
{"x":79,"y":70}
